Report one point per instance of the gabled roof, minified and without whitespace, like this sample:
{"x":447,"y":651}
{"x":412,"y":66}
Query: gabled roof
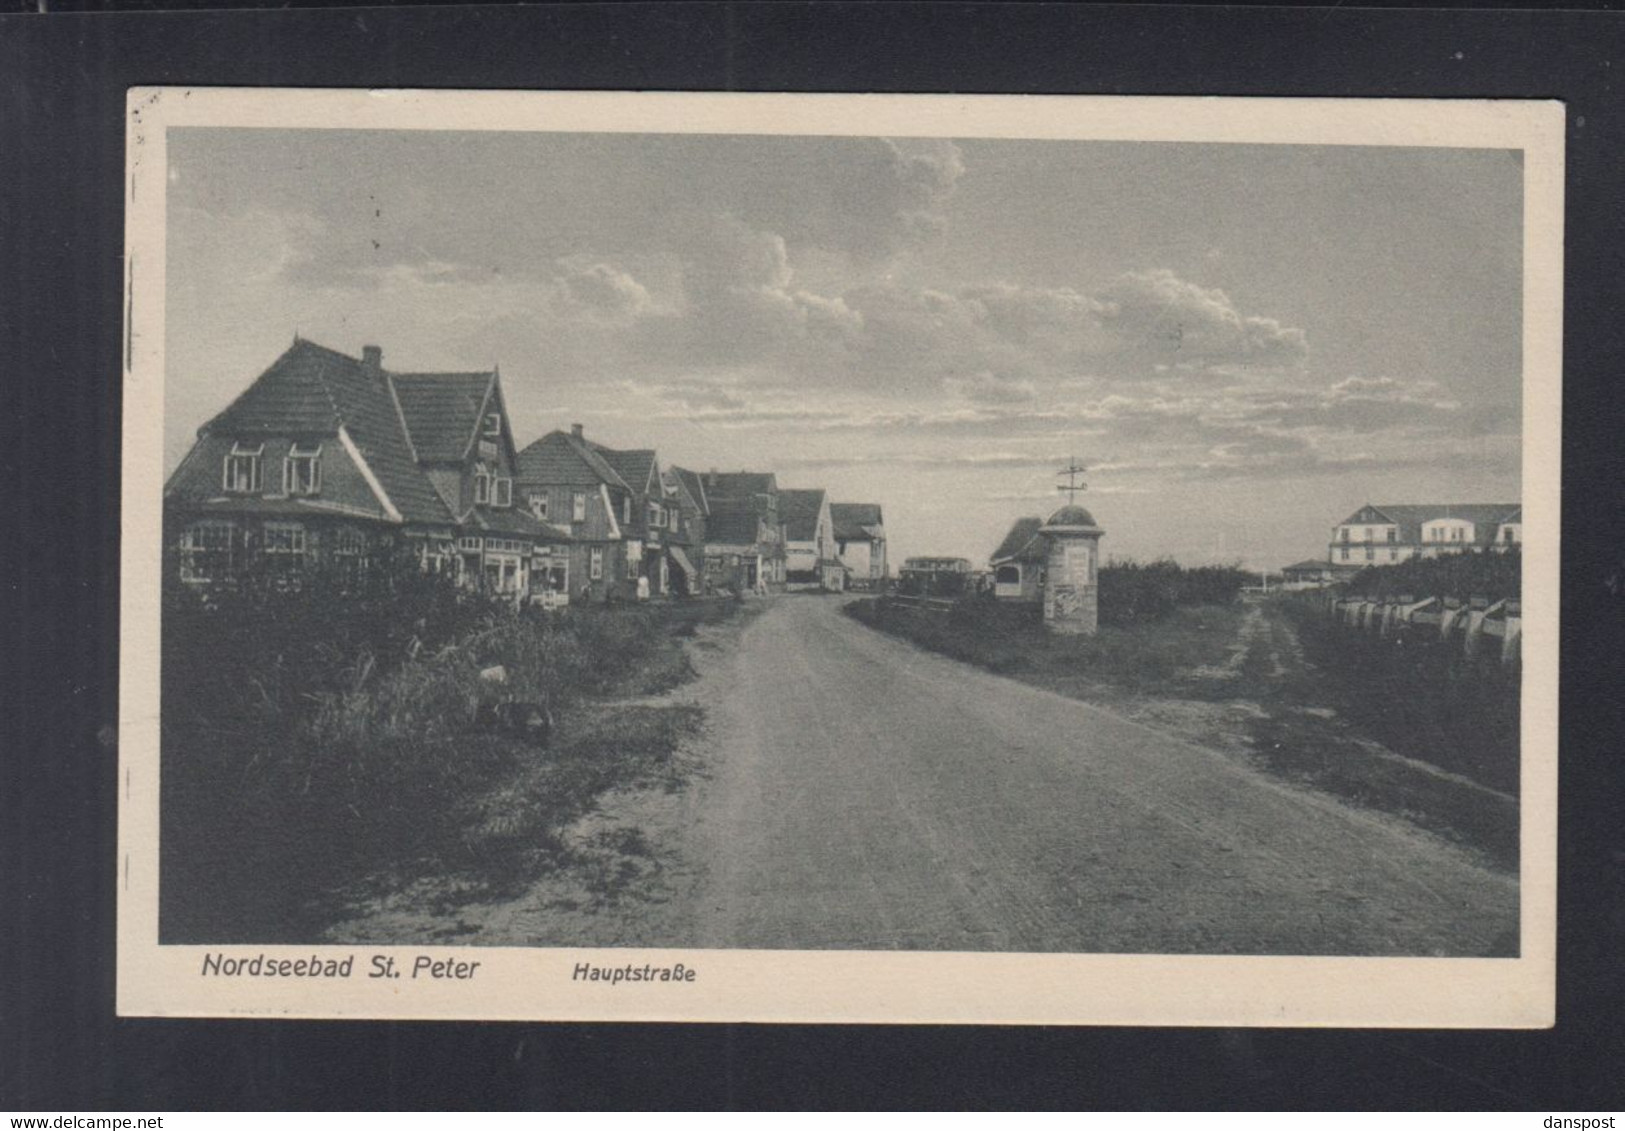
{"x":733,"y":522}
{"x":312,"y":390}
{"x":856,"y":521}
{"x":1410,"y":517}
{"x":694,"y":486}
{"x":636,"y":467}
{"x":560,"y":459}
{"x":799,"y":509}
{"x":443,"y":411}
{"x":739,"y":484}
{"x":1022,"y":543}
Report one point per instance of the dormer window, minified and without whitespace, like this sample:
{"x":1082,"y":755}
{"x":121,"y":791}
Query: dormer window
{"x":491,"y":427}
{"x":538,"y":505}
{"x":242,"y":471}
{"x":482,"y":485}
{"x":302,"y":470}
{"x":502,"y":492}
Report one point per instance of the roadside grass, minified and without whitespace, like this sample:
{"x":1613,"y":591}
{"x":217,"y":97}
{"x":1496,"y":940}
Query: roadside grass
{"x":1152,"y":657}
{"x":292,"y":780}
{"x":1415,"y":732}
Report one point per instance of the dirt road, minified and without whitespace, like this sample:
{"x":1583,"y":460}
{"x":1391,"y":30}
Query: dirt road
{"x":856,"y":792}
{"x":870,"y":795}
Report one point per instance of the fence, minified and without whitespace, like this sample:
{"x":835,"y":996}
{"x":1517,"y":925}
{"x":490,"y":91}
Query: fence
{"x":922,"y":604}
{"x":1477,"y":626}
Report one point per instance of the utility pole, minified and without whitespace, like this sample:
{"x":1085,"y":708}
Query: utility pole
{"x":1073,"y":483}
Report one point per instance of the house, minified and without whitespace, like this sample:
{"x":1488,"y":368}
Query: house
{"x":1380,"y":535}
{"x":1018,"y":562}
{"x":327,"y":460}
{"x":860,"y":542}
{"x":744,"y":531}
{"x":1316,"y":574}
{"x":685,"y":538}
{"x":809,"y":545}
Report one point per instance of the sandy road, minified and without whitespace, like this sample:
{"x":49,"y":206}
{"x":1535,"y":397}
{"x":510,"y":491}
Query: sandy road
{"x":865,"y":794}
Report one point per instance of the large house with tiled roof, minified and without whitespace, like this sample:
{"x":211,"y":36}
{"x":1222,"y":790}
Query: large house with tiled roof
{"x":810,"y":559}
{"x":328,"y":459}
{"x":860,"y":542}
{"x":1381,"y":535}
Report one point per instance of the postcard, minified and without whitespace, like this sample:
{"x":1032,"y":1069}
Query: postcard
{"x":840,"y":558}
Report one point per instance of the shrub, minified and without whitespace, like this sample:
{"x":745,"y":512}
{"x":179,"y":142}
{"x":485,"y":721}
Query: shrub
{"x":1470,"y":573}
{"x":1131,"y":592}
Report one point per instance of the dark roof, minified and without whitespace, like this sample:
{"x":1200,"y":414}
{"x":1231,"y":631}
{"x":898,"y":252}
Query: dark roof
{"x":635,"y":467}
{"x":1316,"y":565}
{"x":517,"y":522}
{"x":442,"y":411}
{"x":311,"y":389}
{"x":560,"y":459}
{"x":739,"y":484}
{"x":799,"y":509}
{"x":732,"y":522}
{"x":853,"y":520}
{"x":696,"y":489}
{"x":1410,"y":517}
{"x":1022,"y":543}
{"x":1071,"y":515}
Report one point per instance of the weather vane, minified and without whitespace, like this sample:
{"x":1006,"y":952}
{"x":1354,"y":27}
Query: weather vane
{"x":1073,"y":484}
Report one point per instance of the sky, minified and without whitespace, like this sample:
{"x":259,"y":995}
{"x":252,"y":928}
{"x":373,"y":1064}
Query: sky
{"x":1242,"y":343}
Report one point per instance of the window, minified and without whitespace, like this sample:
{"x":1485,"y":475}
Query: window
{"x":657,"y":515}
{"x":482,"y":485}
{"x":349,"y":542}
{"x":207,"y":551}
{"x":1393,"y":534}
{"x":470,"y":543}
{"x":284,"y":544}
{"x":1370,"y":554}
{"x":626,"y":509}
{"x":595,"y":563}
{"x":578,"y":507}
{"x":302,"y":470}
{"x":1393,"y":555}
{"x":1508,"y":535}
{"x":242,"y":473}
{"x":1344,"y":533}
{"x":672,"y":515}
{"x":1345,"y":553}
{"x":1368,"y":534}
{"x":502,"y":492}
{"x":492,"y":426}
{"x":538,"y":505}
{"x":634,"y":561}
{"x":1008,"y":575}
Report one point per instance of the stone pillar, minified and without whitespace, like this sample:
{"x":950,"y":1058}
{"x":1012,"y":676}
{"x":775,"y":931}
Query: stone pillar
{"x":1072,"y":572}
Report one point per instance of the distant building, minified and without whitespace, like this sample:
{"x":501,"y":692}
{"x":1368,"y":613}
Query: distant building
{"x":1071,"y":571}
{"x":860,"y":542}
{"x":744,"y":532}
{"x":1315,"y":574}
{"x":1383,"y":535}
{"x":330,"y":460}
{"x":809,"y":540}
{"x":1018,"y":562}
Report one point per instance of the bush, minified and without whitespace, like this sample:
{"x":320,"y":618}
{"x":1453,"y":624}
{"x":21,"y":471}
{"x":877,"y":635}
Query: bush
{"x":1131,"y":593}
{"x":310,"y":730}
{"x":1495,"y":574}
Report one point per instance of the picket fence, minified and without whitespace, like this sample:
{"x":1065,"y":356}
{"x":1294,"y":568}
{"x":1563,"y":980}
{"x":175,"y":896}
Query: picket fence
{"x":1478,"y":626}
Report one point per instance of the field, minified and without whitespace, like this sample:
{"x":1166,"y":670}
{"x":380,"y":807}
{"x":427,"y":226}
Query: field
{"x":310,"y":742}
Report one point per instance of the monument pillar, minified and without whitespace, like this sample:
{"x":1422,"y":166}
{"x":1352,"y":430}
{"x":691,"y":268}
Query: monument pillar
{"x":1072,"y":572}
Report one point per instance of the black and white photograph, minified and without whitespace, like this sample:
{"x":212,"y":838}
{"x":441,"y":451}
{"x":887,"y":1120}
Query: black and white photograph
{"x":833,"y":557}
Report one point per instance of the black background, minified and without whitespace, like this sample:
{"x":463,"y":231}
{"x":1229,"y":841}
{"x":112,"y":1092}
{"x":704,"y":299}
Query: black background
{"x":62,"y":81}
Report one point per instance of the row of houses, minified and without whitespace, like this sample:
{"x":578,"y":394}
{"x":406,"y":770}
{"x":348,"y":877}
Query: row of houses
{"x":1396,"y":532}
{"x":334,"y":460}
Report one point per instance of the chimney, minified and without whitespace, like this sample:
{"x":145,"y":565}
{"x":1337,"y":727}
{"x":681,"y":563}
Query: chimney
{"x":575,"y":430}
{"x":372,"y":360}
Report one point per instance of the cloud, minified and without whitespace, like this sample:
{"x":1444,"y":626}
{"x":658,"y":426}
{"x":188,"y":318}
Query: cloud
{"x":599,"y":289}
{"x":990,"y":388}
{"x":1165,"y":317}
